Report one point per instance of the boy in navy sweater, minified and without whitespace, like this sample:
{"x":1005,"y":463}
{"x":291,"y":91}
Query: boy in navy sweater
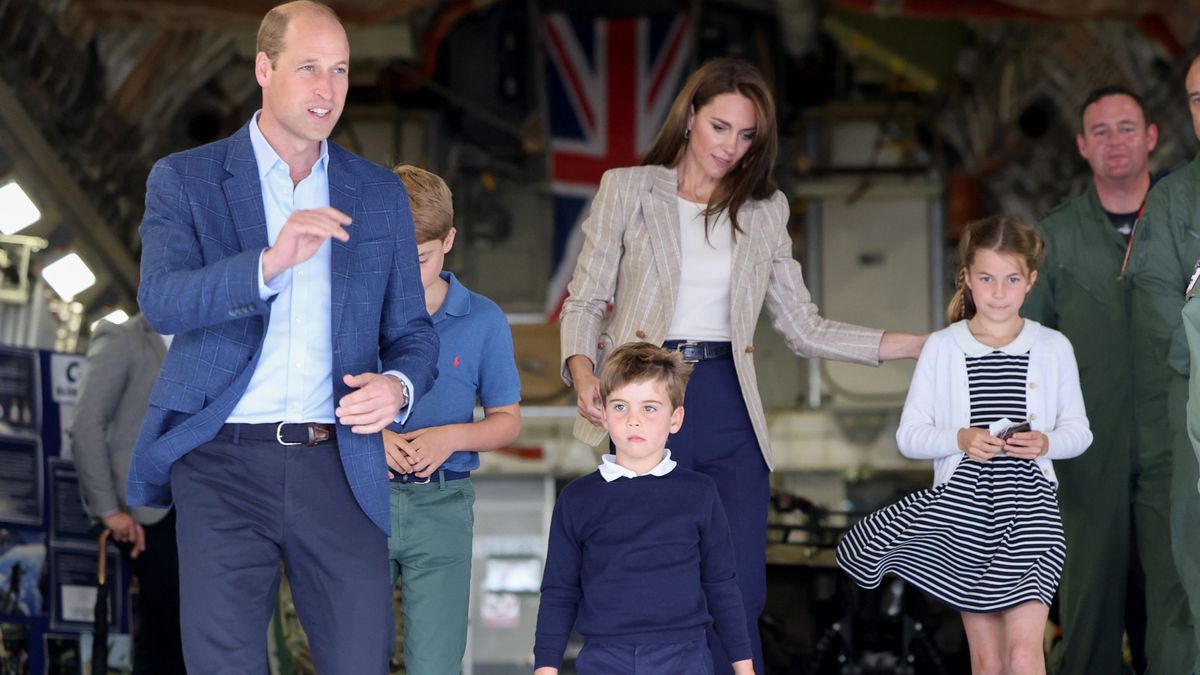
{"x":640,"y":559}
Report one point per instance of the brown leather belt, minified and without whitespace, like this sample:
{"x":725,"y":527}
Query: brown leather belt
{"x":283,"y":433}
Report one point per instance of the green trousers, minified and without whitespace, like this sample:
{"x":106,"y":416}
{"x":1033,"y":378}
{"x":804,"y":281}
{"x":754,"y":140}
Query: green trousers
{"x":430,"y":552}
{"x":1102,"y":495}
{"x":1185,"y":515}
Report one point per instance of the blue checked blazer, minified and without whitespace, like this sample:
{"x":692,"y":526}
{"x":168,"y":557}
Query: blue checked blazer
{"x":202,"y":233}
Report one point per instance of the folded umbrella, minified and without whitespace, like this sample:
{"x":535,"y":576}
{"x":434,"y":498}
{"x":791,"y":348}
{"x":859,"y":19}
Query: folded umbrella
{"x":100,"y":622}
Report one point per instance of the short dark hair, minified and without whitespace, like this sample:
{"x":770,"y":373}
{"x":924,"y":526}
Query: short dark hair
{"x":642,"y":362}
{"x":1112,"y":90}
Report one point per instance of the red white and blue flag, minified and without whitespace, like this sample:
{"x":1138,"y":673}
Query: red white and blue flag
{"x":609,"y":83}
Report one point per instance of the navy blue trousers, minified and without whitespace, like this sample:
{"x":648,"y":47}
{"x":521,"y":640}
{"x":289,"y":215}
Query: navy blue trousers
{"x":667,"y":658}
{"x":245,"y":506}
{"x":717,"y":439}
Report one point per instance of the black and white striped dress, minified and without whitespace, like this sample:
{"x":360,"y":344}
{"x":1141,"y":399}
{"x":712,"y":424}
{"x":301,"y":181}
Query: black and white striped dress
{"x":988,"y":539}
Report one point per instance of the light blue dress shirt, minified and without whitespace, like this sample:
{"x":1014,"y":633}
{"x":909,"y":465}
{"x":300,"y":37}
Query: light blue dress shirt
{"x":294,"y":378}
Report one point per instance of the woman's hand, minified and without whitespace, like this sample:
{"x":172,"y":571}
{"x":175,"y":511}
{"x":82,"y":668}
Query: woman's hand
{"x":901,"y":345}
{"x":587,"y":389}
{"x":979,"y":444}
{"x":1027,"y":445}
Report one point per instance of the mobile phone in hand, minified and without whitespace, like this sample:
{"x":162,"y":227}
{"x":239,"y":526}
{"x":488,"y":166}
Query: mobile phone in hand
{"x":1014,"y":429}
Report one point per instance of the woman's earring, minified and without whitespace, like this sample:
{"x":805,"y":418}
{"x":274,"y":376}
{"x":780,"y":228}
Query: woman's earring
{"x":686,"y":133}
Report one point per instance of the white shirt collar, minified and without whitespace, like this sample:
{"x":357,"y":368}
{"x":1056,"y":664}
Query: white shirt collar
{"x":610,"y":470}
{"x":973,"y":348}
{"x":266,"y":156}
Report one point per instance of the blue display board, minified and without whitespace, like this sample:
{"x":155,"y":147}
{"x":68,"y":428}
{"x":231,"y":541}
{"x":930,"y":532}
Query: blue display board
{"x":48,"y":546}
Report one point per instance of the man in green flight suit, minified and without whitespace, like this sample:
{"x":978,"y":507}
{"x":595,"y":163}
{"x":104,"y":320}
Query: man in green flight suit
{"x":1117,"y":493}
{"x":1165,"y":249}
{"x":1191,"y":326}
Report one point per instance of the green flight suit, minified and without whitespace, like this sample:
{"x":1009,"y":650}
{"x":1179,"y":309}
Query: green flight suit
{"x":1191,"y":325}
{"x":1119,"y":483}
{"x":1165,"y":248}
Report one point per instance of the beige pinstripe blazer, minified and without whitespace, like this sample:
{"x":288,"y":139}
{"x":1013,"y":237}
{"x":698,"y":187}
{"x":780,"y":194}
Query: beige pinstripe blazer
{"x":631,"y":257}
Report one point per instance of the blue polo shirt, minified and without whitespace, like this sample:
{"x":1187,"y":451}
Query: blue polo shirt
{"x":475,"y":363}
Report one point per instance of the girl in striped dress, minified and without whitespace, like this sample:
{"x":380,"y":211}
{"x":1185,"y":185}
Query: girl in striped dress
{"x":987,"y":538}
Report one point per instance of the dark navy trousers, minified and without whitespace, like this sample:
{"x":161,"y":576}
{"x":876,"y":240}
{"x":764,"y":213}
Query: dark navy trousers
{"x":717,"y":439}
{"x":243,"y":507}
{"x":668,"y":658}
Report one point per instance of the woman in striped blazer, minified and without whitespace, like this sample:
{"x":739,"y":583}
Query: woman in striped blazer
{"x":687,"y":248}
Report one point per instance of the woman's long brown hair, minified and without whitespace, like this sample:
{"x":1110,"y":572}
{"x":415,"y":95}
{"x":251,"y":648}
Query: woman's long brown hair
{"x":751,"y":177}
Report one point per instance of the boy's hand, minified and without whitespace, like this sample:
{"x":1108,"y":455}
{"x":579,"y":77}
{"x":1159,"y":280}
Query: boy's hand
{"x":979,"y":444}
{"x":546,"y":670}
{"x":393,"y":449}
{"x":1027,"y":445}
{"x":743,"y":667}
{"x":427,"y":449}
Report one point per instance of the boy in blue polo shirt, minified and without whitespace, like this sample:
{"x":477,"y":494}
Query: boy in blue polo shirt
{"x":432,"y":454}
{"x":640,"y":559}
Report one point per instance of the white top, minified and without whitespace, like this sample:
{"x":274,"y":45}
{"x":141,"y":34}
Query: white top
{"x":705,"y":271}
{"x":939,"y":404}
{"x":610,"y":470}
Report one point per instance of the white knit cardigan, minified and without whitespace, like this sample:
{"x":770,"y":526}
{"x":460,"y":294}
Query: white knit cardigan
{"x":938,"y":403}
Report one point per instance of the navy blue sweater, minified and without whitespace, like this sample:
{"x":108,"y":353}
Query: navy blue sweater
{"x":639,"y":560}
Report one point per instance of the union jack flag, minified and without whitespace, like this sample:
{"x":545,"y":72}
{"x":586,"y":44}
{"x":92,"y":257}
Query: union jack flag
{"x":609,"y":83}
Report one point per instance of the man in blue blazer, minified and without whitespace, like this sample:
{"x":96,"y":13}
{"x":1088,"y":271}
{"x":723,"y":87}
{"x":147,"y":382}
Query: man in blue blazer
{"x":286,"y":268}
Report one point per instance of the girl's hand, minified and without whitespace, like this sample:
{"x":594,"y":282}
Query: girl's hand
{"x":1027,"y":445}
{"x":979,"y":444}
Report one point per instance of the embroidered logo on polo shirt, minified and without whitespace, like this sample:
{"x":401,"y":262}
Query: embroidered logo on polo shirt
{"x":456,"y":362}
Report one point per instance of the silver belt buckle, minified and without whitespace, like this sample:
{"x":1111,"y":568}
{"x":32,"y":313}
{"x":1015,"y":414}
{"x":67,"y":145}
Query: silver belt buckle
{"x":697,"y":351}
{"x":279,"y":435}
{"x":404,"y":479}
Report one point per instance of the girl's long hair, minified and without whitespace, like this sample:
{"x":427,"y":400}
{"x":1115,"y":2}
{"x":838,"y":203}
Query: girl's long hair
{"x":751,"y":177}
{"x":1002,"y":234}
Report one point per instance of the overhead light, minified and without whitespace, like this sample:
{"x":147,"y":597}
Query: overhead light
{"x":17,"y":211}
{"x":68,"y":276}
{"x":117,"y":316}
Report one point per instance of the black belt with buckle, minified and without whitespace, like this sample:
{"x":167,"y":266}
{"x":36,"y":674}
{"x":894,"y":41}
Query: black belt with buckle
{"x":694,"y":351}
{"x":442,"y":474}
{"x":283,"y":433}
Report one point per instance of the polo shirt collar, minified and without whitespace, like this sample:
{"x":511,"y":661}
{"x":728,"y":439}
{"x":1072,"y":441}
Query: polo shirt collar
{"x":974,"y":348}
{"x":458,"y":299}
{"x":610,"y":470}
